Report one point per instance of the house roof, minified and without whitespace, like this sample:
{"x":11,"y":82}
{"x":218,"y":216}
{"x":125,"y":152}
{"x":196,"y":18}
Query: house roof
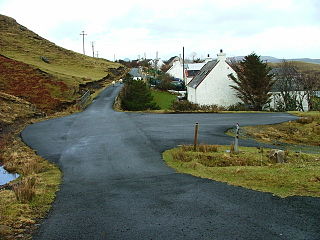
{"x":194,"y":66}
{"x":134,"y":72}
{"x":205,"y":70}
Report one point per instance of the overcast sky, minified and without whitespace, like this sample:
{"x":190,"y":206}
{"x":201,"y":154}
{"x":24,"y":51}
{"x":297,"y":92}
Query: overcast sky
{"x":128,"y":28}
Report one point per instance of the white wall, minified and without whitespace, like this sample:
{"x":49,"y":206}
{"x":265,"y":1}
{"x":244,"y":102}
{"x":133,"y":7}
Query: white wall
{"x":215,"y":88}
{"x":176,"y":70}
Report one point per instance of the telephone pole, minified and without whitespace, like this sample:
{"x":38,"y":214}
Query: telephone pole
{"x":83,"y":34}
{"x":183,"y":73}
{"x":92,"y":44}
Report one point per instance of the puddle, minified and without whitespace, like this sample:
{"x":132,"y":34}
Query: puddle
{"x":6,"y":177}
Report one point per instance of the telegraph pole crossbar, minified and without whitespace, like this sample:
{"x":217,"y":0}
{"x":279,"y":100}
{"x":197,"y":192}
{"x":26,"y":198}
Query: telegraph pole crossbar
{"x":83,"y":34}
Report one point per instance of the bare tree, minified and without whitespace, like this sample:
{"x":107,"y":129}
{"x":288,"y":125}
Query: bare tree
{"x":310,"y":80}
{"x":193,"y":55}
{"x":288,"y":84}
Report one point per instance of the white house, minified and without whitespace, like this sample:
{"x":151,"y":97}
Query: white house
{"x":190,"y":69}
{"x":176,"y":69}
{"x":156,"y":63}
{"x":287,"y":83}
{"x":212,"y":84}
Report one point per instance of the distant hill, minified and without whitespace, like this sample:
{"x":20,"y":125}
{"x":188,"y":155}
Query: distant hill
{"x":277,"y":60}
{"x":26,"y":56}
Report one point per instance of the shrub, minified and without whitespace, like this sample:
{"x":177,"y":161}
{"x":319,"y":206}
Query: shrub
{"x":136,"y":96}
{"x":238,"y":107}
{"x":32,"y":167}
{"x":165,"y":82}
{"x":25,"y":190}
{"x":185,"y":106}
{"x":207,"y":148}
{"x":305,"y":120}
{"x":181,"y":156}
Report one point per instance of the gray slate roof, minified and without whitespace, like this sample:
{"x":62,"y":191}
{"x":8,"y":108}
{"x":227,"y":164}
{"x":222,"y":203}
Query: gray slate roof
{"x":205,"y":70}
{"x":134,"y":72}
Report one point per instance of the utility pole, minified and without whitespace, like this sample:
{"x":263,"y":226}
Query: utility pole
{"x":97,"y":54}
{"x":183,"y":73}
{"x":92,"y":45}
{"x":156,"y":61}
{"x":83,"y":34}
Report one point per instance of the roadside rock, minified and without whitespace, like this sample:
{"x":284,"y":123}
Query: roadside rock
{"x":277,"y":156}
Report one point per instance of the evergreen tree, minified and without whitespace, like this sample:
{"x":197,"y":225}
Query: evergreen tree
{"x":253,"y":81}
{"x":136,"y":96}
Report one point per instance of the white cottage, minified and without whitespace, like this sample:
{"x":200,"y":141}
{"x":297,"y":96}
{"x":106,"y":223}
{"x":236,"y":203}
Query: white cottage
{"x":212,"y":84}
{"x":156,"y":63}
{"x":176,"y":69}
{"x":191,"y":69}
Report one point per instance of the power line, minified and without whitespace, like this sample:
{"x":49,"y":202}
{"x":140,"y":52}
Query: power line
{"x":83,"y":34}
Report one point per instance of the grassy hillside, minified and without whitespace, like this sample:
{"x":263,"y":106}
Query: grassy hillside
{"x":21,"y":44}
{"x":44,"y":74}
{"x":301,"y":66}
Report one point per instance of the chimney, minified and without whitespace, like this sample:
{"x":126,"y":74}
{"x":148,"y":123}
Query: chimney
{"x":221,"y":56}
{"x":208,"y":59}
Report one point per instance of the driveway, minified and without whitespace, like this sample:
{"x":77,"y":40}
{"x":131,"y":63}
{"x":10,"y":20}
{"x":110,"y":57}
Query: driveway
{"x":116,"y":185}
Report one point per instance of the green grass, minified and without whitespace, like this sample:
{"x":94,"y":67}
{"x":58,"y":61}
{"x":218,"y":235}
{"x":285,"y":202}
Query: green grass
{"x":51,"y":85}
{"x":251,"y":168}
{"x":305,"y":131}
{"x":163,"y":99}
{"x":301,"y":66}
{"x":21,"y":44}
{"x":18,"y":217}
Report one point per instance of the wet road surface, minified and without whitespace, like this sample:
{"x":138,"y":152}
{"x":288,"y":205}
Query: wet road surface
{"x":116,"y":185}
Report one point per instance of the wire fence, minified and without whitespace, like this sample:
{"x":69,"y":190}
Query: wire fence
{"x":83,"y":100}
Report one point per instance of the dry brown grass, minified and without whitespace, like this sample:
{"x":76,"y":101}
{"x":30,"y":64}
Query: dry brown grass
{"x":252,"y":168}
{"x":304,"y":131}
{"x":30,"y":196}
{"x":305,"y":120}
{"x":25,"y":190}
{"x":207,"y":148}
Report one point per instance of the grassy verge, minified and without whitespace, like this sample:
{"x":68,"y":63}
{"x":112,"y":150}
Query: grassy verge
{"x":163,"y":99}
{"x":304,"y":131}
{"x":27,"y":199}
{"x":251,"y":168}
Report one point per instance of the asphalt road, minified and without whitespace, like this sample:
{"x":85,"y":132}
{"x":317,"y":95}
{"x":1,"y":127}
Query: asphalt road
{"x":116,"y":185}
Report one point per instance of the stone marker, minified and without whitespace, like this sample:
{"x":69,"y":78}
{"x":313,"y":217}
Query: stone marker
{"x":277,"y":156}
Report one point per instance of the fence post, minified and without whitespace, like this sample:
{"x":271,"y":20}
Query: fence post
{"x":195,"y":136}
{"x":236,"y":140}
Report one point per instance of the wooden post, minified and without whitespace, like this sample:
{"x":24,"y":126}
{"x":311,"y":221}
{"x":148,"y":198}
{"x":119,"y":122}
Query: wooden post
{"x":183,"y":72}
{"x":236,"y":141}
{"x":195,"y":136}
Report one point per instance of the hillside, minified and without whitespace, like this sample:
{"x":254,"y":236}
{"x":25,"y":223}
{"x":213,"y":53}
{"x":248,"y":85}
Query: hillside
{"x":21,"y":44}
{"x":302,"y":66}
{"x":44,"y":74}
{"x":270,"y":59}
{"x":44,"y":77}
